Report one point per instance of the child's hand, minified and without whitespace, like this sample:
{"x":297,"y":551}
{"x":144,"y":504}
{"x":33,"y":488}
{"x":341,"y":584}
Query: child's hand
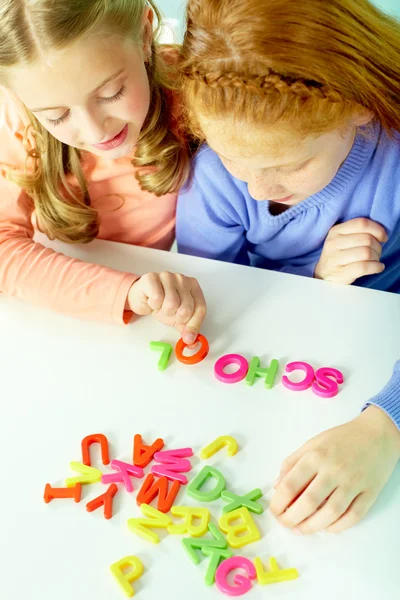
{"x":332,"y":481}
{"x":351,"y":250}
{"x":173,"y":299}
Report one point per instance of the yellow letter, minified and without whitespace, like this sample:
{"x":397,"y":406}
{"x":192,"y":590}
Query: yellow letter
{"x":125,"y":579}
{"x":218,"y":444}
{"x":156,"y":519}
{"x":276,"y":575}
{"x":190,"y":515}
{"x":89,"y":475}
{"x":245,"y":526}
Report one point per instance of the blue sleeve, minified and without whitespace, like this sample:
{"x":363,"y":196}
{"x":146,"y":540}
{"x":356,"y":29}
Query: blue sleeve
{"x":389,"y":398}
{"x":304,"y":270}
{"x":207,"y":223}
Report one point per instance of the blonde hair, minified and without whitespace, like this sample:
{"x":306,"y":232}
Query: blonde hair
{"x":308,"y":64}
{"x":30,"y":28}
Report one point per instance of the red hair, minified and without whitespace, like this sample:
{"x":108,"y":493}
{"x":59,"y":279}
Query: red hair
{"x":308,"y":63}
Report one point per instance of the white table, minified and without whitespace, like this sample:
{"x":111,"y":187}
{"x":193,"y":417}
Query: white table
{"x":63,"y":379}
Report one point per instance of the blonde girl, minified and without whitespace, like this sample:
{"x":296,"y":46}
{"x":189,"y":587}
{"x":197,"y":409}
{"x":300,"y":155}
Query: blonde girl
{"x":90,"y":147}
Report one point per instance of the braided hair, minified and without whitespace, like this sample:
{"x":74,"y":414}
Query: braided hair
{"x":310,"y":65}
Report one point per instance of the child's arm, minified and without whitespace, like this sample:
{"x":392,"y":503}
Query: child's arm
{"x":41,"y":276}
{"x":209,"y":215}
{"x":332,"y":481}
{"x":389,"y":398}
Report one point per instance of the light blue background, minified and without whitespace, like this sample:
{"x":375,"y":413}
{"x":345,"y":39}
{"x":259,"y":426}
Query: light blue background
{"x":175,"y":9}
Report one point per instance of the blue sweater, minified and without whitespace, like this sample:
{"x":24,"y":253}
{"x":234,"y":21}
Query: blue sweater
{"x":217,"y":218}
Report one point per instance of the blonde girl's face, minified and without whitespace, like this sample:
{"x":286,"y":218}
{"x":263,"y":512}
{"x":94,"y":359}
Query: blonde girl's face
{"x":276,"y":165}
{"x":94,"y":95}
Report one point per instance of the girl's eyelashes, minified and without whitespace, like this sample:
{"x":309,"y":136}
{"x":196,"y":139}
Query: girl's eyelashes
{"x":59,"y":120}
{"x":114,"y":98}
{"x":300,"y":168}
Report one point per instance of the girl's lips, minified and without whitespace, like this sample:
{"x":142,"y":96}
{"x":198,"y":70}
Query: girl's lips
{"x":282,"y":199}
{"x":115,"y":141}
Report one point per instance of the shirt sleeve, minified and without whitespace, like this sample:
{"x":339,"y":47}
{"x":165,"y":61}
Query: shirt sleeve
{"x":304,"y":270}
{"x":389,"y":398}
{"x":36,"y":274}
{"x":208,"y":225}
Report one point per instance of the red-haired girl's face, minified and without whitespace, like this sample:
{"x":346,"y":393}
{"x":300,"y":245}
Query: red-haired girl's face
{"x":276,"y":165}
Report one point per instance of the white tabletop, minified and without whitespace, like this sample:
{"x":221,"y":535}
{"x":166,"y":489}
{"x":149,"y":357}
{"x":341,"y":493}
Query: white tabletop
{"x":63,"y":379}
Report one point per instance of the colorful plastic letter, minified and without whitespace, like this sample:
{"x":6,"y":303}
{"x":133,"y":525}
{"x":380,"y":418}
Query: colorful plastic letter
{"x":299,"y":386}
{"x":189,"y":525}
{"x":88,"y":475}
{"x":216,"y":555}
{"x":323,"y":386}
{"x":152,"y":487}
{"x":124,"y":474}
{"x":155,"y":519}
{"x":242,"y":583}
{"x":51,"y":493}
{"x":227,"y":360}
{"x":172,"y":457}
{"x":195,"y":358}
{"x":248,"y":500}
{"x":217,"y":445}
{"x":276,"y":575}
{"x":269,"y":373}
{"x":126,"y":579}
{"x":166,"y":351}
{"x":142,"y":454}
{"x":192,"y":544}
{"x":97,"y":438}
{"x":105,"y":500}
{"x":173,"y":464}
{"x":235,"y":532}
{"x":207,"y":472}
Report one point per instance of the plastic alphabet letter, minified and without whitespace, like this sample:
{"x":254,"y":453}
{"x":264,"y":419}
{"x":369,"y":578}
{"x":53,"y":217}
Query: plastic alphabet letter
{"x":126,"y":579}
{"x":269,"y":373}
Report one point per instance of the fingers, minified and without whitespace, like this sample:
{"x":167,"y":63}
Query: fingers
{"x":356,"y":255}
{"x":146,"y":294}
{"x":352,"y":249}
{"x":174,"y":299}
{"x":332,"y":506}
{"x":359,"y":240}
{"x":184,"y":300}
{"x":355,"y":512}
{"x":361,"y":225}
{"x":172,"y":302}
{"x":197,"y":316}
{"x":349,"y":273}
{"x":289,"y":463}
{"x":292,"y":485}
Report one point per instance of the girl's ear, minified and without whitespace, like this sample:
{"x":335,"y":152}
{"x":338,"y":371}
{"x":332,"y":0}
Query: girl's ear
{"x":148,"y":21}
{"x":362,"y":117}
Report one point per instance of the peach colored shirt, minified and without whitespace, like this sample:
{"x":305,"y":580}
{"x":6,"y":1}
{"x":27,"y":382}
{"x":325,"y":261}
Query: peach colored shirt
{"x":41,"y":276}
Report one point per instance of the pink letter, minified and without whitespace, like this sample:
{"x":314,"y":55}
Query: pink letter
{"x":243,"y":584}
{"x":301,"y":385}
{"x":325,"y":387}
{"x":229,"y":359}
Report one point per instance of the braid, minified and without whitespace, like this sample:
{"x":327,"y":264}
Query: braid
{"x":266,"y":84}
